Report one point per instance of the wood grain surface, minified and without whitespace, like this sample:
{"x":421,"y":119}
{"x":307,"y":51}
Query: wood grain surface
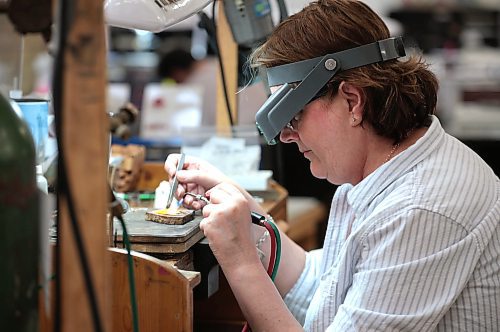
{"x":180,"y":217}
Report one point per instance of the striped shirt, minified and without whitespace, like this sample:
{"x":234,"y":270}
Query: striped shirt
{"x":415,"y":246}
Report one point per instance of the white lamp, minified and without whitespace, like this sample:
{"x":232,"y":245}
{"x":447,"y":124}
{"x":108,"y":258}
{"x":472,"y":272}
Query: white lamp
{"x":150,"y":15}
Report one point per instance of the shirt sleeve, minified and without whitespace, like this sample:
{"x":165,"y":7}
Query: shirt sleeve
{"x":410,"y":270}
{"x":299,"y":297}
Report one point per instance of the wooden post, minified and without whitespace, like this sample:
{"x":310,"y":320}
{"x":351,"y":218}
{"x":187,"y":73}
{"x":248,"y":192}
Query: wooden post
{"x":85,"y":145}
{"x":228,"y":54}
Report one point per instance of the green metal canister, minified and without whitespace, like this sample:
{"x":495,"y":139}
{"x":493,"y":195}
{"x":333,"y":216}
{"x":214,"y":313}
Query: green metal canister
{"x":19,"y":224}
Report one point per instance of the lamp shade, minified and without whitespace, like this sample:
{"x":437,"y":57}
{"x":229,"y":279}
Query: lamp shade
{"x":150,"y":15}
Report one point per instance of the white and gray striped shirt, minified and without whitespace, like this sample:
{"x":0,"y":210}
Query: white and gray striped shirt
{"x":415,"y":246}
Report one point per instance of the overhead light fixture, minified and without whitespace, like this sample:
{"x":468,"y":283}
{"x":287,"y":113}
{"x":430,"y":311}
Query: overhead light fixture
{"x":150,"y":15}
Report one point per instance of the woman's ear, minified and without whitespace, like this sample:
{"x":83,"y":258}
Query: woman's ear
{"x":355,"y":98}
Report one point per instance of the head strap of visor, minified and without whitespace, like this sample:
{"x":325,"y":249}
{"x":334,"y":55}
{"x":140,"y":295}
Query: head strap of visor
{"x":313,"y":74}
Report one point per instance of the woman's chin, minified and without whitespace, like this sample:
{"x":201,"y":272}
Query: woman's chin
{"x":317,"y":172}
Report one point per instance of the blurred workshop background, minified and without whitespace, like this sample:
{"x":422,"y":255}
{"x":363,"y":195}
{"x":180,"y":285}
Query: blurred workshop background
{"x":163,"y":95}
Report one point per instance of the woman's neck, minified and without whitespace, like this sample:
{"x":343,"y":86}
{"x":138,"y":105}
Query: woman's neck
{"x":383,"y":150}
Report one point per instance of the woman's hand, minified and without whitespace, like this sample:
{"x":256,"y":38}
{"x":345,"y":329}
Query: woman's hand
{"x":227,"y":225}
{"x":197,"y":176}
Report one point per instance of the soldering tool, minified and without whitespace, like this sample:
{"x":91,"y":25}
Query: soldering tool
{"x":257,"y":218}
{"x":262,"y":221}
{"x":198,"y":197}
{"x":274,"y":235}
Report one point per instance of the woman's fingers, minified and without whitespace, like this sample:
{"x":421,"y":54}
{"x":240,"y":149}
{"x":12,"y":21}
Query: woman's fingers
{"x":200,"y":178}
{"x":225,"y":192}
{"x":226,"y":203}
{"x":171,"y":163}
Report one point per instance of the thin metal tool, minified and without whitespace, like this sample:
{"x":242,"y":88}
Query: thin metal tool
{"x":198,"y":197}
{"x":175,"y":182}
{"x":257,"y":218}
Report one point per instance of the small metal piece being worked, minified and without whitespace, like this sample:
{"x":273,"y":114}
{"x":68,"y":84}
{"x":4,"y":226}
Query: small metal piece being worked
{"x":198,"y":197}
{"x":175,"y":182}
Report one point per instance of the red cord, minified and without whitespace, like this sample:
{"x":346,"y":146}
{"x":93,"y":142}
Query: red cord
{"x":272,"y":259}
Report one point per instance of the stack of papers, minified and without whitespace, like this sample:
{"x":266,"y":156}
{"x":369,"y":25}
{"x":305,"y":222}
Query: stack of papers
{"x":235,"y":159}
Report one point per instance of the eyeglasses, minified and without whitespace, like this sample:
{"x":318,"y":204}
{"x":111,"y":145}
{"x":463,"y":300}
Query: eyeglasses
{"x":294,"y":123}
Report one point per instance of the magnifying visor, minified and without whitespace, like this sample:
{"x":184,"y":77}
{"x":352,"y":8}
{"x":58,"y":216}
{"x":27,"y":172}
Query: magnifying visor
{"x":301,"y":81}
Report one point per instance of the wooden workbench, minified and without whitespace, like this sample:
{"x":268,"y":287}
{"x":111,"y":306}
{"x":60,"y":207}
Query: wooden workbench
{"x":220,"y":311}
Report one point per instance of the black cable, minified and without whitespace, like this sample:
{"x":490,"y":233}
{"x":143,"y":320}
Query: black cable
{"x":131,"y":278}
{"x":283,"y":10}
{"x":117,"y":211}
{"x":57,"y":88}
{"x":80,"y":246}
{"x":66,"y":9}
{"x":223,"y":76}
{"x":207,"y":24}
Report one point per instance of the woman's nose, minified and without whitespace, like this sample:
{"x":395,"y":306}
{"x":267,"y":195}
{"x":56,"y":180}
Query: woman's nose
{"x":288,"y":135}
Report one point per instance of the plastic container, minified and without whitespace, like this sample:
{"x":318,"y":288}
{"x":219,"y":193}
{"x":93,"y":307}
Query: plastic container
{"x":35,"y":113}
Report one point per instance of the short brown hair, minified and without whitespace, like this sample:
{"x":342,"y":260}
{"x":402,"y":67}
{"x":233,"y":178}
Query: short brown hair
{"x":400,"y":94}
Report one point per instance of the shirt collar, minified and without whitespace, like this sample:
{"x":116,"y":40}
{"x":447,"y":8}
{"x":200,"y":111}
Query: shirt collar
{"x":362,"y":194}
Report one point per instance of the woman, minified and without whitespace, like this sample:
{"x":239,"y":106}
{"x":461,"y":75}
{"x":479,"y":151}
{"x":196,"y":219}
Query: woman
{"x":413,"y":238}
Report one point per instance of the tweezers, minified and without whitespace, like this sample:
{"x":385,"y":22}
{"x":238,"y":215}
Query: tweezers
{"x":175,"y":182}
